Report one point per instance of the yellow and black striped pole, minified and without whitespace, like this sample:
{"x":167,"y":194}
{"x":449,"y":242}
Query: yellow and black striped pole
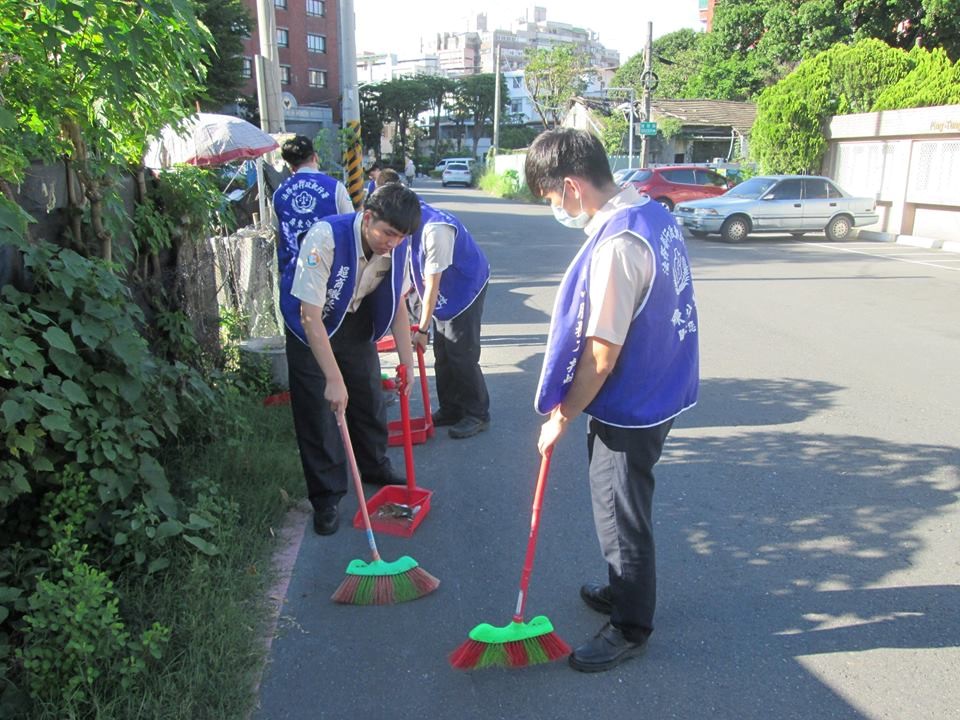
{"x":353,"y":161}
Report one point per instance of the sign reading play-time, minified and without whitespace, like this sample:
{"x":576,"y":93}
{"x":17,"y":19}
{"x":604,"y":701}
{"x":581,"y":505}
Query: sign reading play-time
{"x":648,"y":128}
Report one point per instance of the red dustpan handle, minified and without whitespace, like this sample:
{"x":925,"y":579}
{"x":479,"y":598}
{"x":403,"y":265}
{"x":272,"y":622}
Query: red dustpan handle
{"x":407,"y":433}
{"x":534,"y":529}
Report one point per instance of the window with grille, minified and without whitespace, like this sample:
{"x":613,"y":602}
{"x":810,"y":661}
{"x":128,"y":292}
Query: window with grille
{"x":316,"y":8}
{"x":246,"y":69}
{"x":316,"y":43}
{"x":317,"y":78}
{"x":284,"y":74}
{"x":283,"y":37}
{"x":935,"y":173}
{"x":282,"y":4}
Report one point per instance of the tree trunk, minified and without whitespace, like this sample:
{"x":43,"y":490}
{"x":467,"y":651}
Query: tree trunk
{"x":92,"y":189}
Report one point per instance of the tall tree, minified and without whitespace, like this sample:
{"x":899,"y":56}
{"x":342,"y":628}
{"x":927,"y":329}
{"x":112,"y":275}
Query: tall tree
{"x":372,"y":117}
{"x":229,"y":23}
{"x":477,"y":93}
{"x":438,"y":89}
{"x":554,"y":77}
{"x":402,"y":100}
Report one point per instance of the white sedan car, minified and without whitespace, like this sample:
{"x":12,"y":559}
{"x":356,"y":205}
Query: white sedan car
{"x":794,"y":204}
{"x":457,"y":173}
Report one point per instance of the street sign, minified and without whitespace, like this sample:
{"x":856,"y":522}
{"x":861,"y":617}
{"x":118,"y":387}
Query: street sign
{"x":648,"y":128}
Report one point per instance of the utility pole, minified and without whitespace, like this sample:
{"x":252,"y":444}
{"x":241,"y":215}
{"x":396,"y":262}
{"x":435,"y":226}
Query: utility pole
{"x":496,"y":104}
{"x":268,"y":70}
{"x":648,"y":84}
{"x":353,"y":152}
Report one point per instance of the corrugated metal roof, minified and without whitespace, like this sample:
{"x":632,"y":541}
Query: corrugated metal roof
{"x":739,"y":115}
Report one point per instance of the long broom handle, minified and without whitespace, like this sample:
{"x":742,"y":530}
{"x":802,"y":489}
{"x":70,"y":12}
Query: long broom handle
{"x":407,"y":432}
{"x":424,"y":388}
{"x":357,"y":483}
{"x":534,"y":529}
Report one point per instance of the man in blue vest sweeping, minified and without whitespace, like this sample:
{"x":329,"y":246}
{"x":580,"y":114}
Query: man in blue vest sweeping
{"x":301,"y":202}
{"x":622,"y":348}
{"x":450,"y":273}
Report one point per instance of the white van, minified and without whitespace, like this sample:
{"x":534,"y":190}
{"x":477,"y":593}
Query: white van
{"x":441,"y":166}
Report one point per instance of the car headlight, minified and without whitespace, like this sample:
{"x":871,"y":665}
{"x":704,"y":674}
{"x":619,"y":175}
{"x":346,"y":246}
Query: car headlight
{"x":705,"y":211}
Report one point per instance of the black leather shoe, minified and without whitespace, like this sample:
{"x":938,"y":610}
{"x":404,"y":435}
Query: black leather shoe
{"x":597,"y":597}
{"x":444,"y":417}
{"x":608,"y":649}
{"x":468,"y":427}
{"x":387,"y":478}
{"x":326,"y":521}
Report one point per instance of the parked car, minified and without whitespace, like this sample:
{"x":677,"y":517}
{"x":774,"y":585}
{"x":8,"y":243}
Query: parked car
{"x":674,"y":184}
{"x":441,"y":166}
{"x":623,"y":174}
{"x":794,"y":204}
{"x":457,"y":173}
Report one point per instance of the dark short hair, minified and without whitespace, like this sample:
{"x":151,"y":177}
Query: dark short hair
{"x":565,"y":152}
{"x":375,"y":166}
{"x":297,"y":150}
{"x":388,"y":176}
{"x":396,"y":205}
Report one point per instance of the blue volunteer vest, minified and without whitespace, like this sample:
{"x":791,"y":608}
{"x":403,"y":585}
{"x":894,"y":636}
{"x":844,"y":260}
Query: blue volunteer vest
{"x":466,"y":276}
{"x":657,"y":372}
{"x":386,"y":297}
{"x":300,"y":201}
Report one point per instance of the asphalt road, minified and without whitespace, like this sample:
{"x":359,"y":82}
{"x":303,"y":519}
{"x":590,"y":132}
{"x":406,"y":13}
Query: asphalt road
{"x":807,"y":509}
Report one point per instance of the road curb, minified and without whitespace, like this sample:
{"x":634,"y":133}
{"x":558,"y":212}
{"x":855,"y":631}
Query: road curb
{"x":917,"y":241}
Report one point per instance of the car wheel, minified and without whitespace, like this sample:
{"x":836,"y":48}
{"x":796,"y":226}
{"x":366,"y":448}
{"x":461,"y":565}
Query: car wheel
{"x":666,"y":203}
{"x":698,"y":233}
{"x":735,"y":229}
{"x":839,"y":228}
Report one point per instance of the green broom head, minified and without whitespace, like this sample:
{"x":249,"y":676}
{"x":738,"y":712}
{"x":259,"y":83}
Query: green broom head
{"x":517,"y":645}
{"x":384,"y":583}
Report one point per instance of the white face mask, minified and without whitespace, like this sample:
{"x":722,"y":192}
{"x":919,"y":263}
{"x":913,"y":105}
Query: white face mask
{"x":565,"y":218}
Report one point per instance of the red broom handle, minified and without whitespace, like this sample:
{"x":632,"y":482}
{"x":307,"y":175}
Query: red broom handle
{"x":534,"y":529}
{"x":357,"y":483}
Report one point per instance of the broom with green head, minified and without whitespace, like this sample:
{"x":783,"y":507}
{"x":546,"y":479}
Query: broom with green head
{"x":378,"y":582}
{"x":518,"y":644}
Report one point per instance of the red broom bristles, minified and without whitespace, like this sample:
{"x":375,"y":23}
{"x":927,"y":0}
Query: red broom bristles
{"x":385,"y":589}
{"x":473,"y":654}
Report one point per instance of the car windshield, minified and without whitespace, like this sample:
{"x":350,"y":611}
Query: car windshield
{"x":640,"y":176}
{"x":752,"y":188}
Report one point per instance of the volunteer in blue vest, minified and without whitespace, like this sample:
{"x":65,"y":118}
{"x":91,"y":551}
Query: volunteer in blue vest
{"x":622,"y":348}
{"x":303,"y":199}
{"x":450,"y":273}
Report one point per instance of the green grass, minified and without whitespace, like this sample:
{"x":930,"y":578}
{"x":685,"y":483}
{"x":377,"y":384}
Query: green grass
{"x":502,"y":185}
{"x":217,"y":606}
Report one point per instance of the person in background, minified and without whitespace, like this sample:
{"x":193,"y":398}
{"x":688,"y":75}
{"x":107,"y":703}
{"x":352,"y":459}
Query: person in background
{"x":373,"y":173}
{"x":410,"y":170}
{"x":623,"y":349}
{"x":450,"y":273}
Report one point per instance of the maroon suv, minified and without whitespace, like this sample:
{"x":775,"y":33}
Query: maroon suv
{"x":674,"y":184}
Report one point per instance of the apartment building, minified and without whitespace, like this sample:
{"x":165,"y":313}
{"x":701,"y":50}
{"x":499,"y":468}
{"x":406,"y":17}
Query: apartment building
{"x":308,"y":40}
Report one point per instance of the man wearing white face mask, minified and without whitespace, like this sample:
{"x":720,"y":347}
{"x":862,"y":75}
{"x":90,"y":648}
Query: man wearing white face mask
{"x":622,"y":348}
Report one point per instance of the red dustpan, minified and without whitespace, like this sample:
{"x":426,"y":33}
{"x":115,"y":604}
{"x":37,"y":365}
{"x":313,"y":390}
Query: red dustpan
{"x":399,"y":509}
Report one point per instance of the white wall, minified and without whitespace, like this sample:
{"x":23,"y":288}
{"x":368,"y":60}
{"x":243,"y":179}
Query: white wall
{"x":909,"y":160}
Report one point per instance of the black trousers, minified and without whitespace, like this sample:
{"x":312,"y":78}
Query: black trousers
{"x":461,"y":389}
{"x":621,"y":487}
{"x":321,"y":449}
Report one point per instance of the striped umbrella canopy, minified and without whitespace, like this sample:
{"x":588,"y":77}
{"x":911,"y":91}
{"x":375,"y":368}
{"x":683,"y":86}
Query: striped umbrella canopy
{"x":208,"y":139}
